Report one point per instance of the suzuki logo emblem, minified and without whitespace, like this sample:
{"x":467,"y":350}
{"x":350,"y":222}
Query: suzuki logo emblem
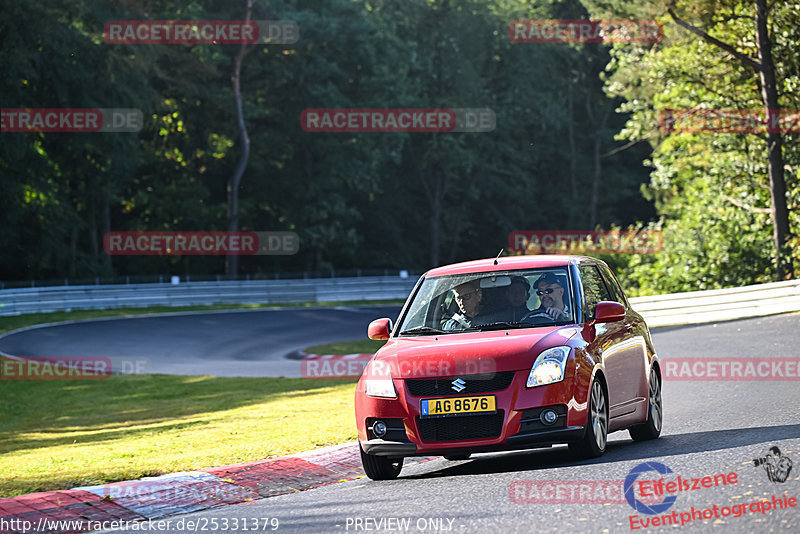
{"x":458,"y":385}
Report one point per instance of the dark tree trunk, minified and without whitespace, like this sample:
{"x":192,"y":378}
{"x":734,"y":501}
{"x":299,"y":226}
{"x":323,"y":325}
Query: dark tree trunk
{"x":573,"y":153}
{"x":777,"y":183}
{"x":232,"y":260}
{"x":106,"y":226}
{"x":92,"y":234}
{"x":436,"y":198}
{"x":73,"y":251}
{"x":599,"y":127}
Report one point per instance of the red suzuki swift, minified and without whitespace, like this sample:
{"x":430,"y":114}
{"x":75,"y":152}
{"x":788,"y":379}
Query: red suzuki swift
{"x":513,"y":353}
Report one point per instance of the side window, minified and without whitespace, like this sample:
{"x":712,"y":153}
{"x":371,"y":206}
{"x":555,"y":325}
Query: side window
{"x":613,"y":286}
{"x":594,"y":289}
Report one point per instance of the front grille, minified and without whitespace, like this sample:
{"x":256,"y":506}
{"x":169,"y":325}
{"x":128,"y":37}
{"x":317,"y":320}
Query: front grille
{"x":461,"y":428}
{"x":477,"y":383}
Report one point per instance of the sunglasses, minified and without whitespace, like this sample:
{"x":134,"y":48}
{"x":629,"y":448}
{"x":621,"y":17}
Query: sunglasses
{"x":547,"y":291}
{"x":466,"y":296}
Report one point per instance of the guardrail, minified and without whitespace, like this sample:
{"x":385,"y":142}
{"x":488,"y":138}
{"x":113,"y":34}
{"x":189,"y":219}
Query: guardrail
{"x":50,"y":299}
{"x":661,"y":310}
{"x":719,"y":304}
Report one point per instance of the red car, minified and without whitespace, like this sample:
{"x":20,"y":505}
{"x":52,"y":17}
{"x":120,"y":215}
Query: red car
{"x":507,"y":353}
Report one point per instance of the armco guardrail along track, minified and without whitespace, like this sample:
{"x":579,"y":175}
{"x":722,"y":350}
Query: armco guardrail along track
{"x":719,"y":304}
{"x":41,"y":300}
{"x":660,"y":310}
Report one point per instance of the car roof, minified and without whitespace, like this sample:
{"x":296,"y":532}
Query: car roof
{"x":508,"y":263}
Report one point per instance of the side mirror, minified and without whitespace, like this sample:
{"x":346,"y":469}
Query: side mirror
{"x":379,"y":328}
{"x":608,"y":312}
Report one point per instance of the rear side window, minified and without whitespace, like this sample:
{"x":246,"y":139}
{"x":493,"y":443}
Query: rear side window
{"x":594,"y":288}
{"x":613,"y":286}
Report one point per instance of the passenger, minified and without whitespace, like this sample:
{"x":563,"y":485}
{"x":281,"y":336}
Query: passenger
{"x":551,"y":293}
{"x":468,"y":297}
{"x":517,"y":295}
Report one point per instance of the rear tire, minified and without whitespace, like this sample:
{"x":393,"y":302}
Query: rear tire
{"x":380,"y":467}
{"x":655,"y":416}
{"x":593,"y":443}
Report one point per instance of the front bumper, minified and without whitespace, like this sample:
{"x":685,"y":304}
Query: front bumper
{"x":517,"y":423}
{"x":380,"y":447}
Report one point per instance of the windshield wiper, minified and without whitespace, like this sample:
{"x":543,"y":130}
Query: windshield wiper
{"x":500,"y":325}
{"x":422,"y":330}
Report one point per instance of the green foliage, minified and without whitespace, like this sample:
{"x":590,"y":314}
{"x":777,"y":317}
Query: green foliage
{"x":386,"y":200}
{"x":711,"y":190}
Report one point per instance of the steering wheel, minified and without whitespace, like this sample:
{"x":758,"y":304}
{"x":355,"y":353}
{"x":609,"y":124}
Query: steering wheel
{"x":537,"y":318}
{"x":458,"y":319}
{"x":449,"y":313}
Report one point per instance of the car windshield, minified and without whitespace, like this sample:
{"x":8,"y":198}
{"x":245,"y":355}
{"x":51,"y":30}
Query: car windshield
{"x":489,"y":301}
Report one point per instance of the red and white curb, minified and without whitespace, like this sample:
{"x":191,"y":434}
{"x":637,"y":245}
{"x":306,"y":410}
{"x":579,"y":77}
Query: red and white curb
{"x":180,"y":493}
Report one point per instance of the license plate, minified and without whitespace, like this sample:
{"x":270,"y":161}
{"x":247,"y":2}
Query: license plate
{"x":457,"y":406}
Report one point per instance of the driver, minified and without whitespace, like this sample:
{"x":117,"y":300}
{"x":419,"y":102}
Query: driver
{"x":468,"y":297}
{"x":551,"y":293}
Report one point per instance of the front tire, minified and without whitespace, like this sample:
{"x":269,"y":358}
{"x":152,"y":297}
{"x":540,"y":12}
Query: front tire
{"x":380,"y":467}
{"x":594,"y":440}
{"x":651,"y":429}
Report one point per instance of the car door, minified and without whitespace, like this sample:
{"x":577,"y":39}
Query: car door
{"x":620,"y":350}
{"x":637,"y":329}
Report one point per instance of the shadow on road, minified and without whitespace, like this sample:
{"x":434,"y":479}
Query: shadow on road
{"x":619,"y":451}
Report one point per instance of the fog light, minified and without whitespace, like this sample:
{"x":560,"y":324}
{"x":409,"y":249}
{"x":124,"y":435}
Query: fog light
{"x":548,"y":417}
{"x":379,"y":429}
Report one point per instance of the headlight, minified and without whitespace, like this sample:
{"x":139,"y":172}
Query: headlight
{"x":381,"y":387}
{"x":378,"y":380}
{"x":548,"y":367}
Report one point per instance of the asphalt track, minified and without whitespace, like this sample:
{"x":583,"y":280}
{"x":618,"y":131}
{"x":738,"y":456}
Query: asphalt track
{"x":710,"y":427}
{"x":229,"y":343}
{"x":256,"y":343}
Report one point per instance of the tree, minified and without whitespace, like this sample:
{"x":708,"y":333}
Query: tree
{"x":765,"y":68}
{"x":232,"y":262}
{"x":709,"y":188}
{"x":357,"y":200}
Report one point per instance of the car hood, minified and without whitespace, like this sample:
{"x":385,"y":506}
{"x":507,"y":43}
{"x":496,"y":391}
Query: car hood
{"x":468,"y":353}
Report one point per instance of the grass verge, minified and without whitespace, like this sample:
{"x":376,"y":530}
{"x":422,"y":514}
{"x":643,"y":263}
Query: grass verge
{"x":66,"y":433}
